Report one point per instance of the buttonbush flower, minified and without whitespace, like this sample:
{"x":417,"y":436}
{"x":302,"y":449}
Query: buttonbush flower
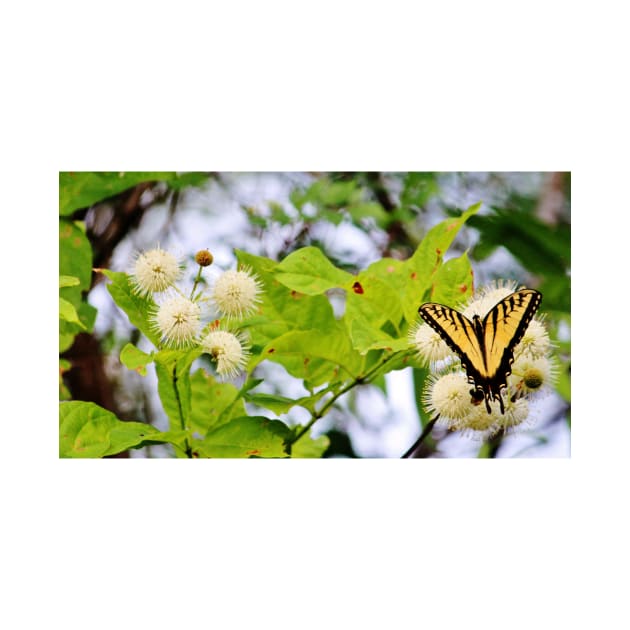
{"x":236,"y":293}
{"x":478,"y":423}
{"x":449,"y":396}
{"x":228,"y":350}
{"x":531,"y":375}
{"x":177,"y":321}
{"x":430,"y":346}
{"x":155,"y":271}
{"x":535,"y":342}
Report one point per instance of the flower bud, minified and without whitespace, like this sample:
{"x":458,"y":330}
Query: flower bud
{"x":203,"y":258}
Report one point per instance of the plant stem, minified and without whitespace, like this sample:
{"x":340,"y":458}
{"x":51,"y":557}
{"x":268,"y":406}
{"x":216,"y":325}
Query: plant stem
{"x":180,"y":411}
{"x":359,"y":380}
{"x":425,"y":432}
{"x":197,"y":279}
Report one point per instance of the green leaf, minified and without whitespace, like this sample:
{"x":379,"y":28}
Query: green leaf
{"x":68,"y":281}
{"x":65,"y":339}
{"x":137,"y":308}
{"x":315,"y":358}
{"x":81,"y":190}
{"x":75,"y":260}
{"x":540,"y":248}
{"x":185,"y":180}
{"x":453,"y":282}
{"x":273,"y":402}
{"x":309,"y":447}
{"x":364,"y":336}
{"x":87,"y":430}
{"x":279,"y":214}
{"x":135,"y":359}
{"x":282,"y":309}
{"x":87,"y":315}
{"x":176,"y":438}
{"x":563,"y":382}
{"x":309,"y":271}
{"x":68,"y":313}
{"x":75,"y":275}
{"x":365,"y":339}
{"x":427,"y":259}
{"x":391,"y":271}
{"x":126,"y":435}
{"x":213,"y":403}
{"x":325,"y":193}
{"x":374,"y":301}
{"x":248,"y":436}
{"x":64,"y":392}
{"x":372,"y":210}
{"x":418,"y":188}
{"x":173,"y":371}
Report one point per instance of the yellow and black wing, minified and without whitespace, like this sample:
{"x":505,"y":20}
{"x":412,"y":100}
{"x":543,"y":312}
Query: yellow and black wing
{"x":485,"y":347}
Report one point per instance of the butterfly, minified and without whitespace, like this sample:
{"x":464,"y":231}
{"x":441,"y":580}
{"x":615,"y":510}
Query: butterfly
{"x":485,"y":346}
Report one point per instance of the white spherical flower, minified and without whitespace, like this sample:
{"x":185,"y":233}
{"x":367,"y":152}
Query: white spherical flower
{"x":535,"y":341}
{"x":530,"y":375}
{"x":155,"y":271}
{"x":516,"y":414}
{"x":429,"y":345}
{"x":235,"y":293}
{"x":479,"y":420}
{"x":488,"y":297}
{"x":229,"y":350}
{"x":177,"y":321}
{"x":448,"y":396}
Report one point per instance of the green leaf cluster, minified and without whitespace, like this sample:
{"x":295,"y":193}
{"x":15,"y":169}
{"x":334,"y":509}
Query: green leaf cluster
{"x":75,"y":273}
{"x":296,"y":327}
{"x":82,"y":189}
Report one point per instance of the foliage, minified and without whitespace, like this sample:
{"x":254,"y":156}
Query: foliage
{"x":80,"y":190}
{"x":295,"y":325}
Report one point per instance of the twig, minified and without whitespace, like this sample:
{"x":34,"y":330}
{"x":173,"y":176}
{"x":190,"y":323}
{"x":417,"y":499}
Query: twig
{"x":425,"y":432}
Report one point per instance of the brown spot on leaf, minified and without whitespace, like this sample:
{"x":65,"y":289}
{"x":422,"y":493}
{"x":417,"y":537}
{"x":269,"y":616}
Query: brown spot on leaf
{"x":463,"y":288}
{"x":271,"y":350}
{"x":254,"y":452}
{"x":357,"y":288}
{"x":414,"y":275}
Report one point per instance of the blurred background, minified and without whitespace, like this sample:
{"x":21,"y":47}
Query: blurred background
{"x":522,"y":233}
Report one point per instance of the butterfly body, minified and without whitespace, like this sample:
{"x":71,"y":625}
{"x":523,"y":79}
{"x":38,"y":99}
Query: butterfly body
{"x":485,"y":346}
